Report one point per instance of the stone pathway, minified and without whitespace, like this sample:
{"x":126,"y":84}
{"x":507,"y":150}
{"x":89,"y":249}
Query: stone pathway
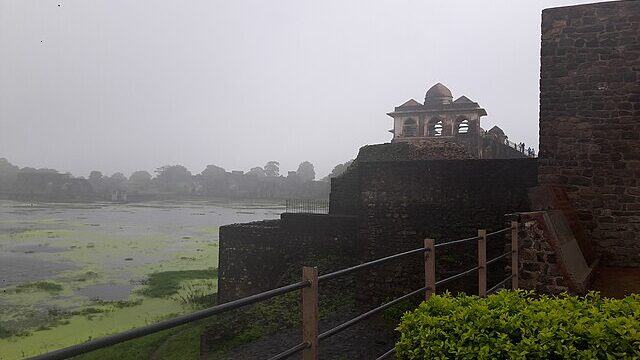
{"x":365,"y":340}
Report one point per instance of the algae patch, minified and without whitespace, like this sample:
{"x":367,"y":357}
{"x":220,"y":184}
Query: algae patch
{"x":48,"y":286}
{"x":54,"y":260}
{"x":167,"y":283}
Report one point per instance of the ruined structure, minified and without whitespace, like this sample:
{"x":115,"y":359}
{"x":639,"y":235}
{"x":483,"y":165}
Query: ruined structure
{"x":390,"y":199}
{"x":579,"y":203}
{"x":440,"y":118}
{"x":443,"y":177}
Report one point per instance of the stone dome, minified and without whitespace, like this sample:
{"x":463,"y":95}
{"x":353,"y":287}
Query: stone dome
{"x":438,"y":93}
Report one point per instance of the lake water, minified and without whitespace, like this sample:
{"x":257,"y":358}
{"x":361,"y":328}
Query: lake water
{"x":64,"y":258}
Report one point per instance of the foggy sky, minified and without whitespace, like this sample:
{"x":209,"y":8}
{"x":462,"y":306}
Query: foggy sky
{"x":117,"y":85}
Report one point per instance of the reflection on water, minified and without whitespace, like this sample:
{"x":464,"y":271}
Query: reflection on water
{"x":16,"y":269}
{"x":39,"y":248}
{"x":107,"y":292}
{"x":116,"y":226}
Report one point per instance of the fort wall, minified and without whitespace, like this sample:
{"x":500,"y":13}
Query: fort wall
{"x":404,"y":202}
{"x":262,"y":255}
{"x":590,"y":121}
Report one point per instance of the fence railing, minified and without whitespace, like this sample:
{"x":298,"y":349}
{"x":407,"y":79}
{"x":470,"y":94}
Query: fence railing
{"x":310,"y":304}
{"x":521,"y":148}
{"x":306,"y":206}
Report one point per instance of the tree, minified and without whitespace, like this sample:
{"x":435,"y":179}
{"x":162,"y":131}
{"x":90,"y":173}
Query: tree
{"x":118,"y":178}
{"x":8,"y":173}
{"x":272,"y":168}
{"x":257,"y":171}
{"x":95,"y":176}
{"x":139,"y":180}
{"x":339,"y":170}
{"x":96,"y":180}
{"x":174,"y":178}
{"x":173,"y":174}
{"x":38,"y":171}
{"x":115,"y":181}
{"x":140,"y":177}
{"x":306,"y":172}
{"x":213,"y":172}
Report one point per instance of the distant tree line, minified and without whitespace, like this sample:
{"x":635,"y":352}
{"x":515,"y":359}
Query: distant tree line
{"x":167,"y":182}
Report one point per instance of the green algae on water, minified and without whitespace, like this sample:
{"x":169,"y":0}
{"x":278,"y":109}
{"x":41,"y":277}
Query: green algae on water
{"x":48,"y":286}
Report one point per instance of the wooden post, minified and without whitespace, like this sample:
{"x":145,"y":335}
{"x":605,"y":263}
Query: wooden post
{"x":310,"y":313}
{"x":429,"y":268}
{"x":514,"y":255}
{"x":482,"y":263}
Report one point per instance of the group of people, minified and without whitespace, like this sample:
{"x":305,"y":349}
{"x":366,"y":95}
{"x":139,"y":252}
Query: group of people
{"x":530,"y":152}
{"x":520,"y":147}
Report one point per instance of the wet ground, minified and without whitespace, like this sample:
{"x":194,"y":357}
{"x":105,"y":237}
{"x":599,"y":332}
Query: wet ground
{"x":368,"y":339}
{"x":616,"y":282}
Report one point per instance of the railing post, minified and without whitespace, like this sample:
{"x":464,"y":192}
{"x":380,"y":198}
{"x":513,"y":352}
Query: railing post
{"x":514,"y":254}
{"x":482,"y":263}
{"x":310,"y":313}
{"x":429,"y":268}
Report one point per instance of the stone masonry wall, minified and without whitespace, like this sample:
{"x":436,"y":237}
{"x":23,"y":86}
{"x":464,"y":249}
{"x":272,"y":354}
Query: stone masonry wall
{"x":404,"y":202}
{"x":539,"y":268}
{"x":262,"y":255}
{"x":590,"y":120}
{"x":344,"y":196}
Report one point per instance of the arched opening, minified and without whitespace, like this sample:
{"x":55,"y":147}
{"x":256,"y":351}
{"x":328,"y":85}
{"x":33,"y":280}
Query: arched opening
{"x":410,"y":128}
{"x":437,"y":128}
{"x":463,"y":127}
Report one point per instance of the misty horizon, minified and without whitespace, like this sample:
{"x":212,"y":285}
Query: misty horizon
{"x":120,"y":87}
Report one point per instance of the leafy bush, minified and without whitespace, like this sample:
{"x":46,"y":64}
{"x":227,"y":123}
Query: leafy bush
{"x":521,"y":325}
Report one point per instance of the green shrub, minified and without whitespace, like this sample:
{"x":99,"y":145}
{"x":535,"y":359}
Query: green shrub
{"x":521,"y":325}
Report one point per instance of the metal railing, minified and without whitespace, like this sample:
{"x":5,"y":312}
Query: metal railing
{"x":307,"y":206}
{"x":310,"y":303}
{"x":528,"y":151}
{"x":521,"y":147}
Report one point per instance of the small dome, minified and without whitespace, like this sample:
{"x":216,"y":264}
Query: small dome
{"x":438,"y":95}
{"x":438,"y":91}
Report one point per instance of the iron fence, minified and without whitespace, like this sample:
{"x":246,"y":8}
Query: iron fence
{"x":307,"y":206}
{"x":310,"y":304}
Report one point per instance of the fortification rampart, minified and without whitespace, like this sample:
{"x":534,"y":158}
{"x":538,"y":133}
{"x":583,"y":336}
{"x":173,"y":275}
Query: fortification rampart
{"x":590,"y":120}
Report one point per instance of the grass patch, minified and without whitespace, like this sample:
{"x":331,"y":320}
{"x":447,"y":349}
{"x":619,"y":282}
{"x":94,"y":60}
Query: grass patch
{"x":182,"y":342}
{"x":197,"y":294}
{"x":48,"y":286}
{"x":120,"y":304}
{"x":5,"y":333}
{"x":234,"y":328}
{"x":167,"y":283}
{"x":89,"y":311}
{"x":255,"y":321}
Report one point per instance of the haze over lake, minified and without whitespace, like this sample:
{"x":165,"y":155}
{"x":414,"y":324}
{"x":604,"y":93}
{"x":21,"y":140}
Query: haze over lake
{"x":64,"y":265}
